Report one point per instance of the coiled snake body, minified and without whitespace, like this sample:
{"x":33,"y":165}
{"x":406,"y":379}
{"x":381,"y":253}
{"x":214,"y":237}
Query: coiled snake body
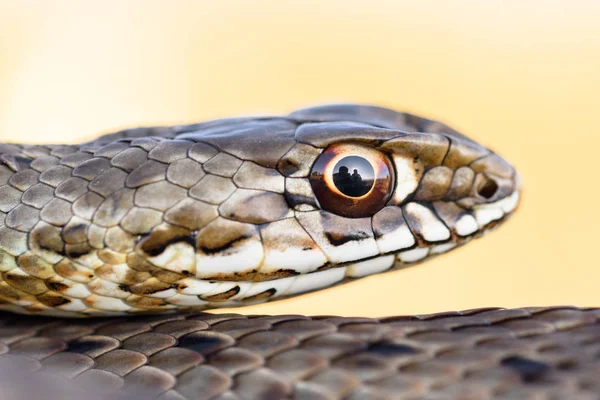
{"x":171,"y":221}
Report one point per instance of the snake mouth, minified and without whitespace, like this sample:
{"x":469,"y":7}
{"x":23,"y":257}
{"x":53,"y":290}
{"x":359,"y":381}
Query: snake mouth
{"x":488,"y":217}
{"x":417,"y":237}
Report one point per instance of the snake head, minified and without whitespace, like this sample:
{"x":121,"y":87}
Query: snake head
{"x":333,"y":193}
{"x":427,"y":188}
{"x":238,"y":211}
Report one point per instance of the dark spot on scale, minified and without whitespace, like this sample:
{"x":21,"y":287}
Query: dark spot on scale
{"x":325,"y":266}
{"x":415,"y":159}
{"x":155,"y":248}
{"x":387,"y":349}
{"x":182,"y":287}
{"x":223,"y":296}
{"x":214,"y":250}
{"x":338,"y":239}
{"x":90,"y":344}
{"x":285,"y":273}
{"x":205,"y":342}
{"x":232,"y":215}
{"x":262,"y":295}
{"x":306,"y":248}
{"x":71,"y":229}
{"x":58,"y":250}
{"x":57,"y":286}
{"x":417,"y":171}
{"x":287,"y":167}
{"x":76,"y":254}
{"x":125,"y":288}
{"x":53,"y":300}
{"x":530,"y":371}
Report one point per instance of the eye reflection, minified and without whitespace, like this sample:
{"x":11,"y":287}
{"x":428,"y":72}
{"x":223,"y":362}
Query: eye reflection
{"x":352,"y":180}
{"x":354,"y":176}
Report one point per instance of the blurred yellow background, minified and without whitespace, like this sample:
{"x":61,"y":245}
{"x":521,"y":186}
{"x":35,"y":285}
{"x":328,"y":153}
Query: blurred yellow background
{"x":522,"y":77}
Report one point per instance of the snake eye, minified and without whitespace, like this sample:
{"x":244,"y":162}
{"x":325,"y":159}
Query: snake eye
{"x":352,"y":180}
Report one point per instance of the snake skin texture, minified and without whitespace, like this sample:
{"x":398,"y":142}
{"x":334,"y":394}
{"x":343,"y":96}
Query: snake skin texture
{"x":222,"y":213}
{"x":535,"y":353}
{"x":174,"y":220}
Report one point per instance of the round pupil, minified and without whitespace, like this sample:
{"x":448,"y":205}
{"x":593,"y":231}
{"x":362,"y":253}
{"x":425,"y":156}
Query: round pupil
{"x":353,"y":176}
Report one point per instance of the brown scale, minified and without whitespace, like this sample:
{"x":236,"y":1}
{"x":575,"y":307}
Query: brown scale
{"x":221,"y":189}
{"x":10,"y":198}
{"x":51,"y":299}
{"x":114,"y":208}
{"x":25,"y":283}
{"x":246,"y":140}
{"x":254,"y":207}
{"x":111,"y":257}
{"x":185,"y":172}
{"x":434,"y":184}
{"x":253,"y":276}
{"x":23,"y":180}
{"x":297,"y":161}
{"x":35,"y":266}
{"x":131,"y":277}
{"x":223,"y":164}
{"x":141,"y":221}
{"x":86,"y":206}
{"x":118,"y":240}
{"x":74,"y":251}
{"x":73,"y":271}
{"x":224,"y":234}
{"x":161,"y":237}
{"x":191,"y":214}
{"x":55,"y":175}
{"x":149,"y":172}
{"x":139,"y":263}
{"x":462,"y":183}
{"x":75,"y":231}
{"x":9,"y":293}
{"x":148,"y":286}
{"x":129,"y":159}
{"x":159,"y":196}
{"x":430,"y":149}
{"x":38,"y":195}
{"x":146,"y":302}
{"x":261,"y":296}
{"x":56,"y":286}
{"x":222,"y":296}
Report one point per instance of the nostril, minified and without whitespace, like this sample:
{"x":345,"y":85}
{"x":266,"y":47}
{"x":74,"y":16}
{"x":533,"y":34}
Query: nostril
{"x":487,"y":188}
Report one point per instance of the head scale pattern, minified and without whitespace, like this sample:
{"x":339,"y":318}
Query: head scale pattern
{"x":223,"y":213}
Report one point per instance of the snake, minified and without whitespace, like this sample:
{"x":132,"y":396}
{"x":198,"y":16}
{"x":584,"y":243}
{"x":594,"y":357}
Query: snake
{"x":110,"y":251}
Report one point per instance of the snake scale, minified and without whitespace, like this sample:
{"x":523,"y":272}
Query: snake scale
{"x":150,"y":226}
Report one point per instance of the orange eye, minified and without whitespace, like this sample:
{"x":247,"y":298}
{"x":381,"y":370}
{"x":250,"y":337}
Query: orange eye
{"x":352,"y":181}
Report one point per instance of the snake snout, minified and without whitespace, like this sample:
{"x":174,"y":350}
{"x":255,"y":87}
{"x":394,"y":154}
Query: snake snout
{"x":495,"y":193}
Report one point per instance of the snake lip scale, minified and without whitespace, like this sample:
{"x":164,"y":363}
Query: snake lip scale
{"x":150,"y":226}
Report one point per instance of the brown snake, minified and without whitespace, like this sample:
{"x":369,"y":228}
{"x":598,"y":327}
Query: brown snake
{"x":174,"y":220}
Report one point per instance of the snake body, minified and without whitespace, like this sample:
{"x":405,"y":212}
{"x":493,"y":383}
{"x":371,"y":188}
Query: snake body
{"x":174,"y":220}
